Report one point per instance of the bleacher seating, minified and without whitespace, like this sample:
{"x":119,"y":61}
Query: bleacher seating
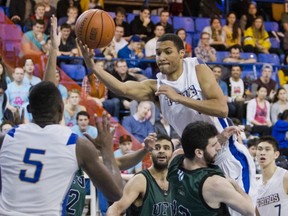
{"x":75,"y":71}
{"x":220,"y":55}
{"x":274,"y":43}
{"x":201,"y":23}
{"x":130,"y":17}
{"x":183,"y":22}
{"x":155,"y":18}
{"x":246,"y":55}
{"x":112,"y":14}
{"x":271,"y":26}
{"x":269,"y":58}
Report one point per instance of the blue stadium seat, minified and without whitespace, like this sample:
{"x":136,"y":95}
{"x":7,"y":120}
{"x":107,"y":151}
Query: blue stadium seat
{"x":195,"y":39}
{"x":221,"y":55}
{"x":246,"y":55}
{"x":274,"y":43}
{"x":201,"y":23}
{"x":155,"y":18}
{"x":271,"y":26}
{"x":269,"y":58}
{"x":183,"y":22}
{"x":130,"y":17}
{"x":189,"y":38}
{"x":75,"y":71}
{"x":112,"y":14}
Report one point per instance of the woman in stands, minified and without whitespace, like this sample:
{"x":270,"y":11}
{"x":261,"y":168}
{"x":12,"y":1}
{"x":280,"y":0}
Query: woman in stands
{"x":181,"y":32}
{"x":247,"y":19}
{"x":232,"y":30}
{"x":279,"y":104}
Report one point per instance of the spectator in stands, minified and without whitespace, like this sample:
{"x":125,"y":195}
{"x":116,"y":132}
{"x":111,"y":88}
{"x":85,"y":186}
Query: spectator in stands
{"x":70,"y":18}
{"x":68,"y":45}
{"x":142,"y":25}
{"x":61,"y":88}
{"x":232,"y":31}
{"x":93,"y":89}
{"x":83,"y":126}
{"x":119,"y":20}
{"x":164,"y":18}
{"x":91,"y":4}
{"x":39,"y":14}
{"x":109,"y":52}
{"x":284,"y":17}
{"x":49,"y":9}
{"x":125,"y":147}
{"x":63,"y":5}
{"x":217,"y":70}
{"x":34,"y":41}
{"x":217,"y":34}
{"x":3,"y":76}
{"x":237,"y":93}
{"x":5,"y":126}
{"x":181,"y":32}
{"x":72,"y":107}
{"x":252,"y":147}
{"x":137,"y":124}
{"x":266,"y":81}
{"x":21,"y":10}
{"x":258,"y":113}
{"x":150,"y":50}
{"x":234,"y":56}
{"x":279,"y":132}
{"x":256,"y":38}
{"x":118,"y":39}
{"x":17,"y":91}
{"x":247,"y":19}
{"x":283,"y":75}
{"x":29,"y":78}
{"x":279,"y":104}
{"x":204,"y":51}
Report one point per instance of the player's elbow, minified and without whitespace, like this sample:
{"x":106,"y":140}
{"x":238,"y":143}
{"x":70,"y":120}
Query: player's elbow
{"x":249,"y":211}
{"x":222,"y":110}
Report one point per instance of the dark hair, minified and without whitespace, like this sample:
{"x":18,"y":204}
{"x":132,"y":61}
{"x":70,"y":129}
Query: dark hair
{"x":234,"y":27}
{"x":38,"y":21}
{"x":39,"y":4}
{"x":3,"y":77}
{"x":196,"y":136}
{"x":173,"y":38}
{"x":82,"y":113}
{"x":144,"y":8}
{"x":4,"y":122}
{"x":203,"y":33}
{"x":275,"y":98}
{"x":271,"y":140}
{"x":237,"y":46}
{"x":165,"y":137}
{"x":252,"y":142}
{"x":120,"y":10}
{"x":236,"y":66}
{"x":66,"y":26}
{"x":283,"y":115}
{"x":217,"y":66}
{"x":181,"y":29}
{"x":164,"y":11}
{"x":259,"y":87}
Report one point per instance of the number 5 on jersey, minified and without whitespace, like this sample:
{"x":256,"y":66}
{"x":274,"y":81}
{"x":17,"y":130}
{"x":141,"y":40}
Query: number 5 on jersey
{"x":38,"y":165}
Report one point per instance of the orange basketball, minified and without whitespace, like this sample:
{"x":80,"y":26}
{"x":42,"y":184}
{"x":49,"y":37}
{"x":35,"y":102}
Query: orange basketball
{"x":95,"y":28}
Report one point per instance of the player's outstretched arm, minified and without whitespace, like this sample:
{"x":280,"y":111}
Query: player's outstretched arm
{"x":131,"y":89}
{"x":55,"y":42}
{"x":217,"y":189}
{"x":135,"y":187}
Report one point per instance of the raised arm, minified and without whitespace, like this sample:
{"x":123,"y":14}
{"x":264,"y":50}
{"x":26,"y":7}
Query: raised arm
{"x":131,"y":89}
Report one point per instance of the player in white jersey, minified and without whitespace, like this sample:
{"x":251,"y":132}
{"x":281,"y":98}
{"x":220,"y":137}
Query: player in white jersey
{"x":38,"y":160}
{"x":272,"y":196}
{"x":188,"y":92}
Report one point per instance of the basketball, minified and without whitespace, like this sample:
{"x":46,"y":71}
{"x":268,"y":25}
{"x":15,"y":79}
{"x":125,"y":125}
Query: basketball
{"x":95,"y":28}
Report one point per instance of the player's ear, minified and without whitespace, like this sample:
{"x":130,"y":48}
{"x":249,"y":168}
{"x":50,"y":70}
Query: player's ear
{"x":199,"y":153}
{"x":182,"y":53}
{"x":28,"y":108}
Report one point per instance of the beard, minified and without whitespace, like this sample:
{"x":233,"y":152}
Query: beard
{"x":208,"y":158}
{"x":159,"y":166}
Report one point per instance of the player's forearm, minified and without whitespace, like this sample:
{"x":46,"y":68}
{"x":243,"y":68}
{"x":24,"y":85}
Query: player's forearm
{"x":51,"y":66}
{"x":113,"y":210}
{"x":130,"y":160}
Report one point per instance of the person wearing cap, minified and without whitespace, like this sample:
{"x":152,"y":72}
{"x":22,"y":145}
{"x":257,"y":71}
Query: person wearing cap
{"x":266,"y":81}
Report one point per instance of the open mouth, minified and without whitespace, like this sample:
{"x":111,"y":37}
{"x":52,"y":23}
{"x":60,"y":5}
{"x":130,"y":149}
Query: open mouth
{"x":262,"y":159}
{"x":161,"y":158}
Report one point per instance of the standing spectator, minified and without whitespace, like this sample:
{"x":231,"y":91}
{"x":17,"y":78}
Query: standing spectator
{"x":248,"y":18}
{"x":256,"y":38}
{"x":29,"y":78}
{"x":234,"y":56}
{"x":217,"y":34}
{"x":137,"y":124}
{"x":232,"y":31}
{"x":83,"y":126}
{"x":258,"y":113}
{"x":21,"y":10}
{"x":118,"y":39}
{"x":63,"y":5}
{"x":266,"y":81}
{"x":181,"y":32}
{"x":150,"y":46}
{"x":72,"y":107}
{"x":204,"y":51}
{"x":142,"y":25}
{"x":164,"y":18}
{"x":49,"y":9}
{"x":279,"y":104}
{"x":119,"y":20}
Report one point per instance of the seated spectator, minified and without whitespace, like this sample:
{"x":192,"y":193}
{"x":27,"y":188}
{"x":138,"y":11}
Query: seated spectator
{"x":248,"y":18}
{"x":34,"y":41}
{"x":150,"y":46}
{"x":137,"y":124}
{"x":63,"y":5}
{"x":283,"y":75}
{"x":119,"y":20}
{"x":125,"y":147}
{"x":217,"y":35}
{"x":164,"y":17}
{"x":83,"y":126}
{"x":234,"y":56}
{"x":39,"y":14}
{"x":5,"y":113}
{"x":204,"y":51}
{"x":72,"y":107}
{"x":3,"y":76}
{"x":93,"y":89}
{"x":49,"y":9}
{"x":6,"y":126}
{"x":217,"y":70}
{"x":29,"y":78}
{"x":258,"y":113}
{"x":109,"y":51}
{"x":252,"y":147}
{"x":67,"y":45}
{"x":70,"y":19}
{"x":266,"y":81}
{"x":256,"y":38}
{"x":17,"y":91}
{"x":279,"y":132}
{"x":232,"y":31}
{"x":279,"y":104}
{"x":142,"y":25}
{"x":19,"y":11}
{"x":118,"y":39}
{"x":187,"y":46}
{"x":152,"y":115}
{"x":62,"y":89}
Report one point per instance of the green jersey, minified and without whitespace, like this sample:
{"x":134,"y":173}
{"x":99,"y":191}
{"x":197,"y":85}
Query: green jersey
{"x":155,"y":201}
{"x":186,"y":187}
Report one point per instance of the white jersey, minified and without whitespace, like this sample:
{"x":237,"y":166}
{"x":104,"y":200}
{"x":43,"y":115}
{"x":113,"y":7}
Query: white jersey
{"x":37,"y":168}
{"x":234,"y":158}
{"x":271,"y":197}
